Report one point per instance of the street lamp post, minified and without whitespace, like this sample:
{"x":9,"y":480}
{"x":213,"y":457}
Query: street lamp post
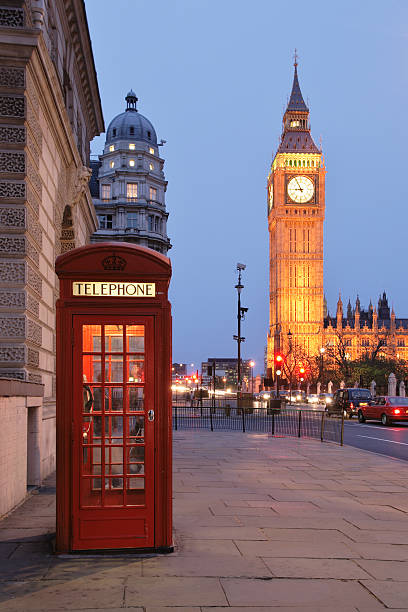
{"x":322,"y":352}
{"x":290,"y":369}
{"x":252,"y":363}
{"x":240,"y":316}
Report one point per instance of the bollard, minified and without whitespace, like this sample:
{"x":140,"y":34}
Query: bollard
{"x":175,"y":417}
{"x":322,"y":428}
{"x":273,"y":423}
{"x":211,"y":418}
{"x":300,"y":423}
{"x":342,"y":428}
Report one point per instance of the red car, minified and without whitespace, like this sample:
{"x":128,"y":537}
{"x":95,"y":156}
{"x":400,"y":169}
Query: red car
{"x":385,"y":409}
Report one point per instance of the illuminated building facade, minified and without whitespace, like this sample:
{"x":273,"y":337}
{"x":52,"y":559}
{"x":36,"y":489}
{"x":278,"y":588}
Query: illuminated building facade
{"x":296,"y":208}
{"x":372,"y":332}
{"x":128,"y":183}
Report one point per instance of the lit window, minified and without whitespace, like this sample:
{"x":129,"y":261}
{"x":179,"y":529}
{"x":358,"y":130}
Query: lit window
{"x":105,"y":192}
{"x":111,"y":148}
{"x":151,"y":151}
{"x":153,"y":193}
{"x":151,"y":166}
{"x":112,"y":164}
{"x":295,"y":123}
{"x":132,"y":146}
{"x":131,"y":191}
{"x":132,"y":220}
{"x":131,"y":162}
{"x":105,"y":221}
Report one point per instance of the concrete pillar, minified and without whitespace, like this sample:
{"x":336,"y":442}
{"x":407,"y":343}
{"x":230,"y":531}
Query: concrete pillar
{"x":330,"y":387}
{"x":318,"y":388}
{"x":392,"y":384}
{"x":342,"y":384}
{"x":402,"y":389}
{"x":373,"y":386}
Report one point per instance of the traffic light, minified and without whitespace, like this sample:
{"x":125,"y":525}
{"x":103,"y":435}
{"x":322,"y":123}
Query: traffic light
{"x":278,"y":364}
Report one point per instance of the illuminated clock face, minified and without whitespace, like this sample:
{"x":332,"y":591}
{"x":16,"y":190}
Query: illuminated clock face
{"x":271,"y":196}
{"x":300,"y":189}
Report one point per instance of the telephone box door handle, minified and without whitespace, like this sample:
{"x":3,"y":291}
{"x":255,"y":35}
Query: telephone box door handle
{"x":150,"y":415}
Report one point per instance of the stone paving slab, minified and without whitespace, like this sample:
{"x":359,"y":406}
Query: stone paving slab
{"x":260,"y":524}
{"x":284,"y":592}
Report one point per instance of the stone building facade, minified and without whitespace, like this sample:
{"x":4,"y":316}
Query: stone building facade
{"x":372,"y":332}
{"x":49,"y":111}
{"x":128,"y":183}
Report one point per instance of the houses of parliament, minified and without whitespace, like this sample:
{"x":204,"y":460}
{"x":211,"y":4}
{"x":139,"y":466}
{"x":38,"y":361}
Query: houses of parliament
{"x":298,"y":315}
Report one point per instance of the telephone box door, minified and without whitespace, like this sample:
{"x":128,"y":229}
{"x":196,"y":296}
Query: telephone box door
{"x":113,"y":432}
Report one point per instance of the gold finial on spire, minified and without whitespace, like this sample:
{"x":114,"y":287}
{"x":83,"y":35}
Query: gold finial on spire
{"x":295,"y":57}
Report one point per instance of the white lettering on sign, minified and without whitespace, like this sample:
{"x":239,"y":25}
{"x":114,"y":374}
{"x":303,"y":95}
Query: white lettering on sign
{"x":118,"y":289}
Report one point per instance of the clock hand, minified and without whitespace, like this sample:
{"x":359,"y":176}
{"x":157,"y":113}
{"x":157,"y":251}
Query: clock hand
{"x":299,"y":185}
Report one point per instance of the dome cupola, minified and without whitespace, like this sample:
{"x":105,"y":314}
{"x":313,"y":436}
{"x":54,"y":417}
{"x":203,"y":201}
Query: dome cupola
{"x":131,"y":125}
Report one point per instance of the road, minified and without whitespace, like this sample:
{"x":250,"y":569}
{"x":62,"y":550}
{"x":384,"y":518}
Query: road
{"x":372,"y":436}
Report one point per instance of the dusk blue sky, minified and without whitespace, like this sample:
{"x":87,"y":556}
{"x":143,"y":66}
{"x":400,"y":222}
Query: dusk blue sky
{"x":214,"y":78}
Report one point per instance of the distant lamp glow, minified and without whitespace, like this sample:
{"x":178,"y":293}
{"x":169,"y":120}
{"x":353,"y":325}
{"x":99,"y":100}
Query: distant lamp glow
{"x":252,"y":363}
{"x":151,"y":151}
{"x":111,"y":148}
{"x":131,"y":162}
{"x":112,"y":164}
{"x":132,"y":146}
{"x":151,"y":166}
{"x":278,"y":372}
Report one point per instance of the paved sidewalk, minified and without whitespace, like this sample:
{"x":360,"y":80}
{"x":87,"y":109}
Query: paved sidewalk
{"x":260,"y":524}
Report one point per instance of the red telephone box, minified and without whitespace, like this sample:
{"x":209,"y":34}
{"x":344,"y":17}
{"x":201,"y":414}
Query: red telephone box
{"x":113,"y":399}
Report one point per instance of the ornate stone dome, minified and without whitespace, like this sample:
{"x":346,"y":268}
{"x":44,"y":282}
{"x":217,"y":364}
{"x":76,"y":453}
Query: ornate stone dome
{"x":131,"y":125}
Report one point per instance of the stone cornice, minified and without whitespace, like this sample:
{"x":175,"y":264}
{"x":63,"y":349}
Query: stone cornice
{"x":78,"y":25}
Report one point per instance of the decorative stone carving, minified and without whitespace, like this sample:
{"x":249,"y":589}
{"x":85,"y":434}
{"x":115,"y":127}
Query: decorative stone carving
{"x":392,"y":384}
{"x":33,"y":358}
{"x":34,"y":176}
{"x":17,"y":374}
{"x":37,"y":12}
{"x":9,"y":189}
{"x":33,"y":200}
{"x":11,"y":327}
{"x":12,"y":353}
{"x":12,"y":77}
{"x":12,"y":135}
{"x":12,"y":217}
{"x":12,"y":272}
{"x":12,"y":162}
{"x":12,"y":245}
{"x":67,"y":246}
{"x":33,"y":124}
{"x":67,"y":234}
{"x":12,"y":299}
{"x":34,"y":332}
{"x":12,"y":106}
{"x":11,"y":18}
{"x":34,"y":378}
{"x":33,"y":305}
{"x":32,"y":252}
{"x":34,"y":228}
{"x":34,"y":280}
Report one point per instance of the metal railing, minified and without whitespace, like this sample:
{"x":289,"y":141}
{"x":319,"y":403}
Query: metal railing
{"x":222,"y":415}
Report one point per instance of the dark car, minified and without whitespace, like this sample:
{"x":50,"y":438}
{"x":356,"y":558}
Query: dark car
{"x":347,"y":401}
{"x":386,"y":409}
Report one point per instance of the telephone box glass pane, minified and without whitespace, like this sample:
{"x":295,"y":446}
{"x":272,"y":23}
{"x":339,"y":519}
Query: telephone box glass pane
{"x":135,"y":459}
{"x":91,"y":368}
{"x":114,"y":399}
{"x":136,"y":396}
{"x":113,"y":338}
{"x":135,"y":338}
{"x":135,"y":369}
{"x":97,"y":399}
{"x":91,"y":338}
{"x":135,"y":428}
{"x":113,"y":368}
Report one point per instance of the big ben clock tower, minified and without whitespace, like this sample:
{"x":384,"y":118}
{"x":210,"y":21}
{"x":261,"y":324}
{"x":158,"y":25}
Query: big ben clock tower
{"x":295,"y":221}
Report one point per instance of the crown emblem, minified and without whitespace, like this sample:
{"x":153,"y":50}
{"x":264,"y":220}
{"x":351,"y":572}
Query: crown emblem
{"x":114,"y":262}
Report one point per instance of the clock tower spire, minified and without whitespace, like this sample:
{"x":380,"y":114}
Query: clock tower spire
{"x":296,"y":206}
